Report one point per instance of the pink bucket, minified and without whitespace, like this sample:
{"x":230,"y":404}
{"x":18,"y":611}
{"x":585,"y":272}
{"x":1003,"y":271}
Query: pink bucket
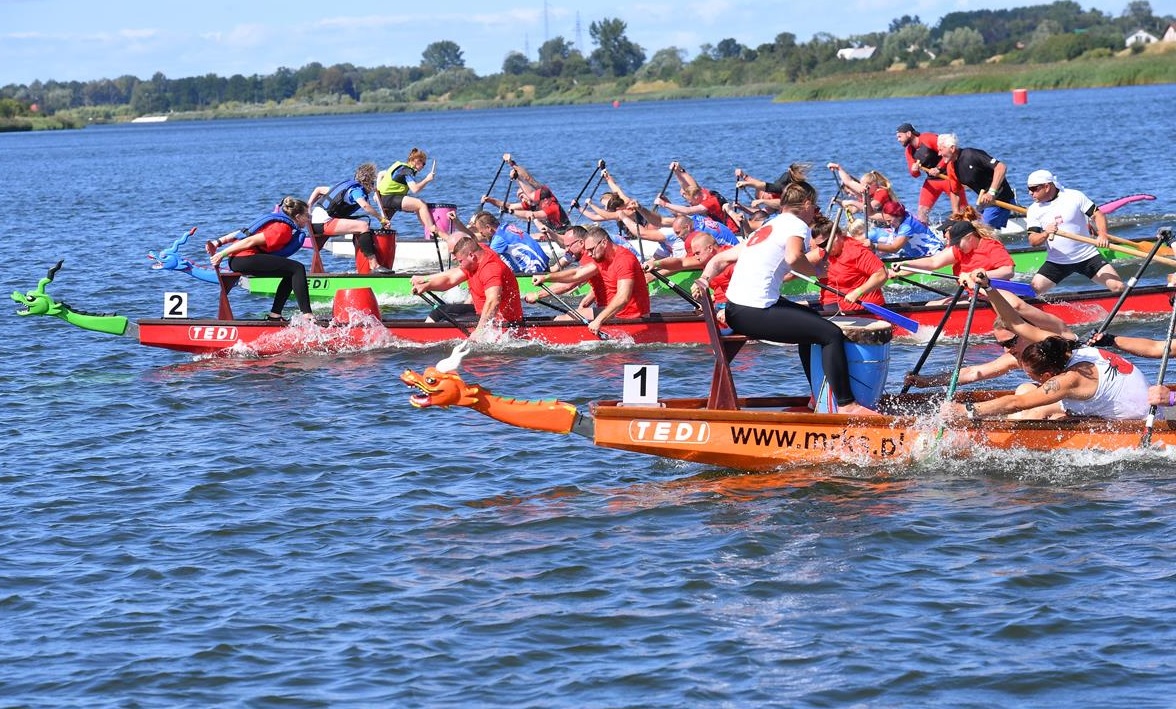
{"x":443,"y":216}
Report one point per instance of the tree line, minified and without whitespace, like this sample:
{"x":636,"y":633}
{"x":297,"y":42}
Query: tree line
{"x":1060,"y":31}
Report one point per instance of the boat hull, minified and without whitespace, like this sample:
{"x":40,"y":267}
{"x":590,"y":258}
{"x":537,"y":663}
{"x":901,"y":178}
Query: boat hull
{"x":760,"y":436}
{"x":323,"y":286}
{"x":261,"y":338}
{"x":1074,"y":308}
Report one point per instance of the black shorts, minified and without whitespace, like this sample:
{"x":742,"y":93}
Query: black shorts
{"x":1057,"y":272}
{"x":391,"y":202}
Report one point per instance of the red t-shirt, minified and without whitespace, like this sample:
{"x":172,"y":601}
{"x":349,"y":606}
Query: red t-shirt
{"x":714,"y":209}
{"x":277,"y":236}
{"x":492,"y":271}
{"x":849,"y":270}
{"x":722,"y":279}
{"x":930,"y":141}
{"x":988,"y":255}
{"x":620,"y":265}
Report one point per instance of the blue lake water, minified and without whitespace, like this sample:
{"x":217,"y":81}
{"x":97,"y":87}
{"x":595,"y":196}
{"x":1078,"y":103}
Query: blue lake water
{"x":290,"y":532}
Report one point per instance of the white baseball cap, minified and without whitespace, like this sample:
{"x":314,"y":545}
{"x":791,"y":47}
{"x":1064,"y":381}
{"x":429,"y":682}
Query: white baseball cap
{"x":1042,"y":177}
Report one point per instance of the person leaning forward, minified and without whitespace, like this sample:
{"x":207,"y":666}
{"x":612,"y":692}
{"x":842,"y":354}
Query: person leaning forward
{"x":493,"y":287}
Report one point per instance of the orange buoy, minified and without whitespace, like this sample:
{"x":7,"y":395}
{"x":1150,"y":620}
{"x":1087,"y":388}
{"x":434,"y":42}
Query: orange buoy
{"x":1020,"y":97}
{"x":351,"y":303}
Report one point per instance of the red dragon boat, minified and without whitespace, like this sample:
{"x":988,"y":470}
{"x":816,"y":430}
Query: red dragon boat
{"x":356,"y":323}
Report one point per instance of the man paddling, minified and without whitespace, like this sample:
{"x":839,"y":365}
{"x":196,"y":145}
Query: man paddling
{"x":1056,"y":208}
{"x":980,"y":172}
{"x":493,"y":286}
{"x":922,"y":156}
{"x":618,"y":283}
{"x":536,"y":203}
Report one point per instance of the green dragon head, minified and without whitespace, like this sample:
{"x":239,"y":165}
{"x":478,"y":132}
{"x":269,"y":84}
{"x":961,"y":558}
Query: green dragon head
{"x":38,"y":302}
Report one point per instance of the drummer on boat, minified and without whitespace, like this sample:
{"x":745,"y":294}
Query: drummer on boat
{"x":394,"y":183}
{"x":755,"y":307}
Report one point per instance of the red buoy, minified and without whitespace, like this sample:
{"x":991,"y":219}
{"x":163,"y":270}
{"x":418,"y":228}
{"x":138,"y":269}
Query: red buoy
{"x":1020,"y":97}
{"x":352,"y":303}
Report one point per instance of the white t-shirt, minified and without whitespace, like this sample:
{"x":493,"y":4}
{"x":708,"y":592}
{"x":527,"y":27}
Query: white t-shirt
{"x":1121,"y":391}
{"x":761,"y":267}
{"x":1068,"y":209}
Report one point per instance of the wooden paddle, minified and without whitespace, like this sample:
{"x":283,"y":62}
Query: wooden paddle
{"x":574,"y":312}
{"x":1021,"y":289}
{"x":888,"y":315}
{"x":439,"y":307}
{"x":935,"y":335}
{"x":1110,"y":237}
{"x":1151,"y":412}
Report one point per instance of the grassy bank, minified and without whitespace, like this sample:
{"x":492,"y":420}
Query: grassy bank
{"x":1136,"y":70}
{"x":1157,"y":65}
{"x":60,"y":121}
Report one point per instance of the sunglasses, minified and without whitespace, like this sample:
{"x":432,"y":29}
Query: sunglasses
{"x":1009,"y":343}
{"x":1037,"y":188}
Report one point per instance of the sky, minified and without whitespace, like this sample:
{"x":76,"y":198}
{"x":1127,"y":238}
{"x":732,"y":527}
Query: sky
{"x":83,"y":40}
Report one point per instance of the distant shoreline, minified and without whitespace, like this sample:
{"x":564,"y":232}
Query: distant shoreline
{"x":1147,"y":68}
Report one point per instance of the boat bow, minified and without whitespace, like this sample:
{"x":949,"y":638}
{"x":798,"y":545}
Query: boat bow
{"x":441,"y":386}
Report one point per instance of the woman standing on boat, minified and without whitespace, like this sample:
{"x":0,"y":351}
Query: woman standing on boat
{"x":266,"y":253}
{"x":754,"y":305}
{"x":341,"y":203}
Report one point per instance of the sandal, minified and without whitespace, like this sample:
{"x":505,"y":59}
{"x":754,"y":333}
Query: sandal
{"x":270,"y":317}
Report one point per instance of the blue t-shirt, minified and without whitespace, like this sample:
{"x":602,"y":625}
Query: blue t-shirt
{"x":722,"y":234}
{"x":521,"y":252}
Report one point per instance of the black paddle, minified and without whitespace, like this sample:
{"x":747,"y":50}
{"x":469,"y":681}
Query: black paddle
{"x":439,"y":307}
{"x":665,"y":186}
{"x":574,"y":312}
{"x":676,"y":288}
{"x":924,"y":286}
{"x":955,"y":375}
{"x":1164,"y":236}
{"x":490,"y":189}
{"x":935,"y":335}
{"x":1023,"y":290}
{"x":576,"y":202}
{"x":506,"y":197}
{"x":1151,"y":412}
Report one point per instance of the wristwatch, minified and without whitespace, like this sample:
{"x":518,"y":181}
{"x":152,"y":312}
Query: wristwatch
{"x":970,"y":409}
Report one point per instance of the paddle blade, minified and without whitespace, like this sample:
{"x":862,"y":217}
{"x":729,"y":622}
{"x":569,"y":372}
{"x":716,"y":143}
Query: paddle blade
{"x":892,"y":317}
{"x":1021,"y":289}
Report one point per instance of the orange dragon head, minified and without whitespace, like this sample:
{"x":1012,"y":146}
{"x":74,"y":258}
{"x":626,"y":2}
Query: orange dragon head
{"x":440,"y":385}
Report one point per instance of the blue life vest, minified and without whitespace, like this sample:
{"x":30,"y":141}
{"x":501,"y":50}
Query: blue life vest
{"x":340,"y":205}
{"x":296,"y":239}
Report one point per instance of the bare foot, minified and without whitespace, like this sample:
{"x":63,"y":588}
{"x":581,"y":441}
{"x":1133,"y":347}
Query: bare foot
{"x":856,"y":409}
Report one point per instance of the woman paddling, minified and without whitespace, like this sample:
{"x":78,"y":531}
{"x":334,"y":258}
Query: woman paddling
{"x":754,"y":305}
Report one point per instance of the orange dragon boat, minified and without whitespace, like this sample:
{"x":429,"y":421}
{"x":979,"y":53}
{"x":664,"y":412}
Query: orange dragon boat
{"x":767,"y":433}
